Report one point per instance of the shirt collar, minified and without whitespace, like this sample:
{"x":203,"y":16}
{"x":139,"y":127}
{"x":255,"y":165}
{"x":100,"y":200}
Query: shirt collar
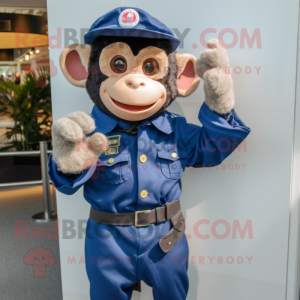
{"x":163,"y":122}
{"x":105,"y":123}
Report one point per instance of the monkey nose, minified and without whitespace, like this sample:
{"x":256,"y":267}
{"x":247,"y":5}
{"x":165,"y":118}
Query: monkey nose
{"x":134,"y":83}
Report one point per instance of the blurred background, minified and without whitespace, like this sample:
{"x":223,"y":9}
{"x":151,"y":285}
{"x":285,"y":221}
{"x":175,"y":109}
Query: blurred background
{"x":25,"y":94}
{"x":26,"y":195}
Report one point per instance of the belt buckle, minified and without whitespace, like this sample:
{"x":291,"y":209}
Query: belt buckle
{"x":136,"y":218}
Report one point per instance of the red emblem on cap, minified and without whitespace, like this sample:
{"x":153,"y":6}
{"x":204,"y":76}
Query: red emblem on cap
{"x":129,"y":18}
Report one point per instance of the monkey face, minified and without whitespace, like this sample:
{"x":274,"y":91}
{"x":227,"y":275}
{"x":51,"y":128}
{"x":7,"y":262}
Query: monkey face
{"x":131,"y":79}
{"x":132,"y":97}
{"x":133,"y":90}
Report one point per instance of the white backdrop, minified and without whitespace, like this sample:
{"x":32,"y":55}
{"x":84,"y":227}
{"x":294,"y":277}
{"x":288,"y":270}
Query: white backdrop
{"x":257,"y":191}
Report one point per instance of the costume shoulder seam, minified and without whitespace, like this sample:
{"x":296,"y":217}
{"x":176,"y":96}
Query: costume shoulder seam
{"x":176,"y":117}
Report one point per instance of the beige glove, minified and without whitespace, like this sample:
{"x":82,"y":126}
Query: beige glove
{"x":73,"y":152}
{"x":213,"y":68}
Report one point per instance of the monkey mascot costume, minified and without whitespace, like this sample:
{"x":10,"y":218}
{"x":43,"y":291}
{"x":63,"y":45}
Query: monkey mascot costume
{"x":130,"y":154}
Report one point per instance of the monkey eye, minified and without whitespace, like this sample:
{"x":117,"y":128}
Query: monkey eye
{"x":150,"y":66}
{"x":118,"y":64}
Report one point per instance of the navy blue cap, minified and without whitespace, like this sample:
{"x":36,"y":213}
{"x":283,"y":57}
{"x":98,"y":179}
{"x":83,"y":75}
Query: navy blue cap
{"x":130,"y":21}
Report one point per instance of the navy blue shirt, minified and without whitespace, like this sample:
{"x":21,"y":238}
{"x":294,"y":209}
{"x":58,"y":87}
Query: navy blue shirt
{"x":167,"y":144}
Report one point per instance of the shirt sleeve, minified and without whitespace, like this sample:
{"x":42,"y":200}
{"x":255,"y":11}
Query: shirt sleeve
{"x":65,"y":184}
{"x":210,"y":144}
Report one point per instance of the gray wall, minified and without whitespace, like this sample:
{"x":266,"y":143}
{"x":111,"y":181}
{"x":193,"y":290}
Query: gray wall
{"x":259,"y":192}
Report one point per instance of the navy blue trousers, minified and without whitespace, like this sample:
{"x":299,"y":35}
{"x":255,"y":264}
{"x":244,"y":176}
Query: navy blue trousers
{"x":119,"y":256}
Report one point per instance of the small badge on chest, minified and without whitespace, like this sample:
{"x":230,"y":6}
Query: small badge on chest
{"x":113,"y":144}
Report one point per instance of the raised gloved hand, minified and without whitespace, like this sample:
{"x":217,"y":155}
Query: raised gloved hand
{"x":73,"y":152}
{"x":213,"y":68}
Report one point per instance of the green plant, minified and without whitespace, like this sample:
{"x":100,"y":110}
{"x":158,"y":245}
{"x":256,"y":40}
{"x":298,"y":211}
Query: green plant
{"x":29,"y":105}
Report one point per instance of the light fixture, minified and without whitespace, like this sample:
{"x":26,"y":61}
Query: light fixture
{"x":26,"y":57}
{"x":37,"y":51}
{"x":30,"y":52}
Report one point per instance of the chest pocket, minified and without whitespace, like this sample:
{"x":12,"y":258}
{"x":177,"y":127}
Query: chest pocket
{"x":172,"y":163}
{"x":114,"y":169}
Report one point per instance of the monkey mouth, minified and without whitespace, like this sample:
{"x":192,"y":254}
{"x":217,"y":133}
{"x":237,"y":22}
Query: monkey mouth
{"x":132,"y":108}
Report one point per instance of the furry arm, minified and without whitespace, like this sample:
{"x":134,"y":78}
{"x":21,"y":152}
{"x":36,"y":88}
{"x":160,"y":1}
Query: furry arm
{"x":213,"y":68}
{"x":73,"y":152}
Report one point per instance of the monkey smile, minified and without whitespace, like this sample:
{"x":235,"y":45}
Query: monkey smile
{"x":132,"y":108}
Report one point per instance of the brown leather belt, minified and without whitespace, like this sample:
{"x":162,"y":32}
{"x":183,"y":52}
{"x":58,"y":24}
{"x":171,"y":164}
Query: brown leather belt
{"x":170,"y":211}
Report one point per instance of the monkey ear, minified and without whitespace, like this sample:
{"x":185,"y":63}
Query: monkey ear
{"x":74,"y":62}
{"x":187,"y":79}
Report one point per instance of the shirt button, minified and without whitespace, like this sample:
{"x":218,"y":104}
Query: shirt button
{"x":143,"y":158}
{"x":174,"y":154}
{"x":111,"y":160}
{"x":144,"y":194}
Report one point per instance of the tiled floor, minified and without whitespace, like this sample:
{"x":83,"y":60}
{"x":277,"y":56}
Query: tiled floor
{"x":19,"y":280}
